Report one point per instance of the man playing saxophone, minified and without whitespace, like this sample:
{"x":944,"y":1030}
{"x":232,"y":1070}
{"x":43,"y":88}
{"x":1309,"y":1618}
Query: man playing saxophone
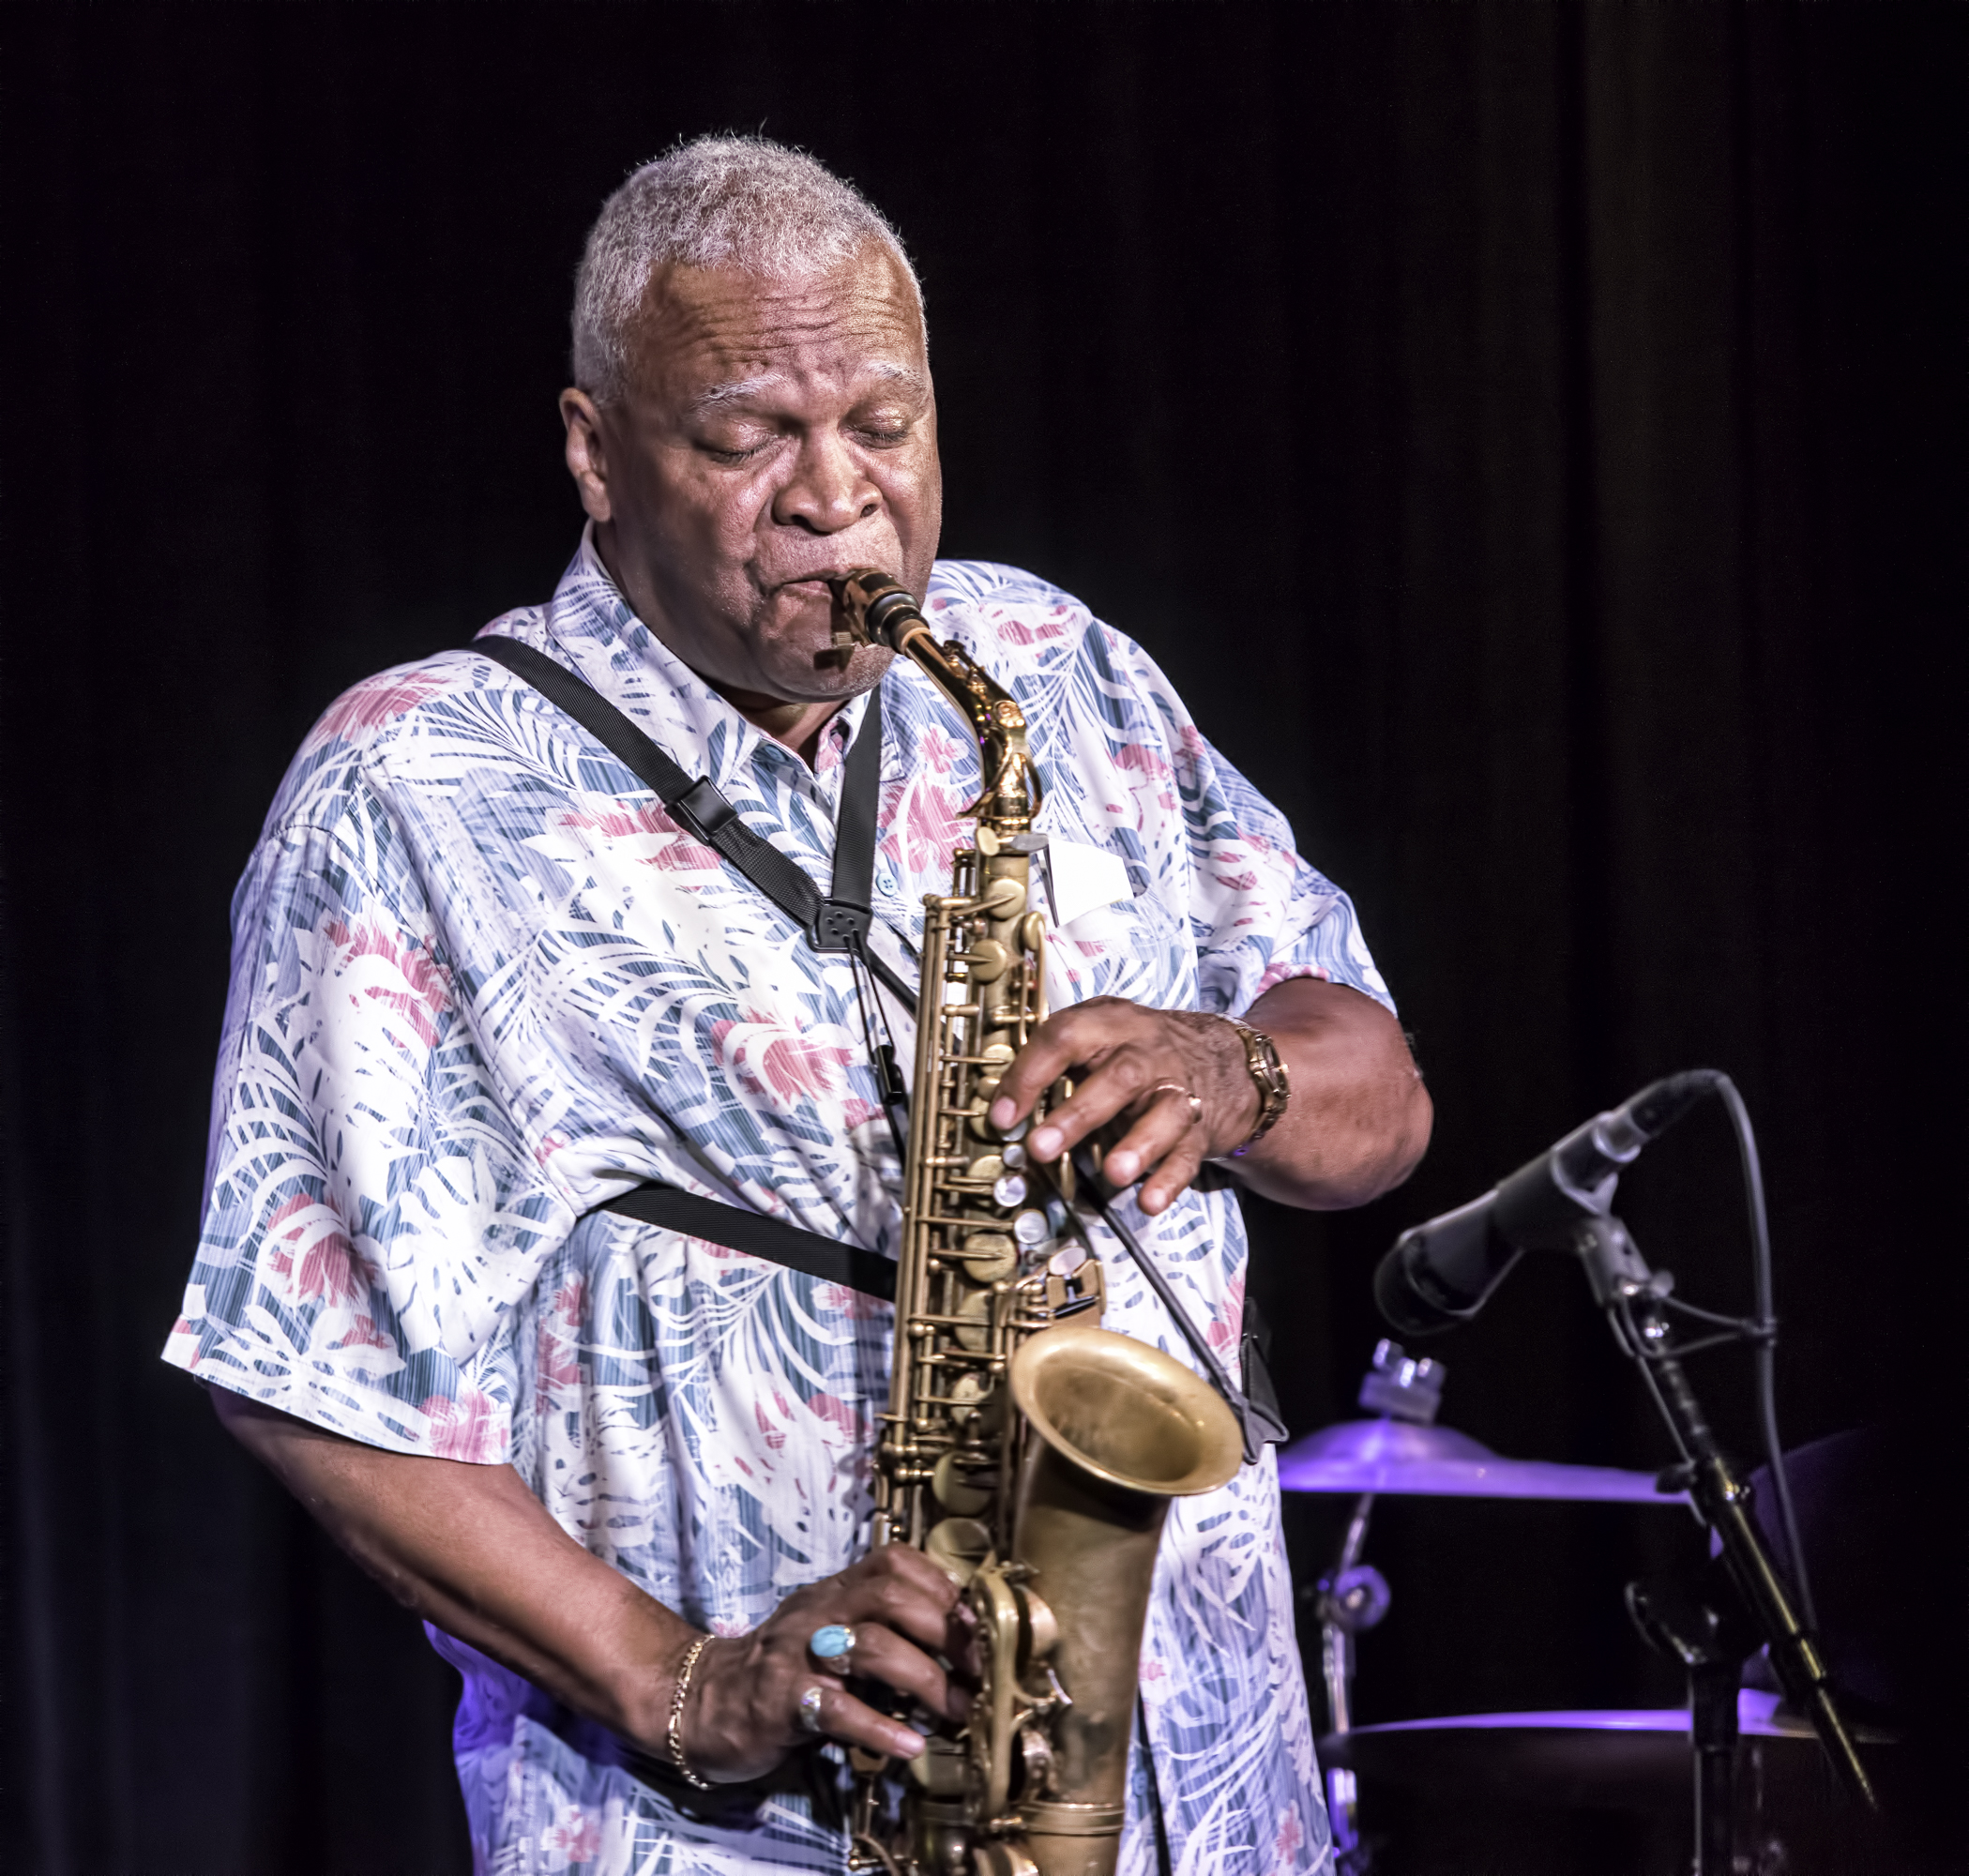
{"x":486,"y":982}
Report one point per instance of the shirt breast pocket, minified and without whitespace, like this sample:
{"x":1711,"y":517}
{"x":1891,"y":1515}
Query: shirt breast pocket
{"x":1137,"y":948}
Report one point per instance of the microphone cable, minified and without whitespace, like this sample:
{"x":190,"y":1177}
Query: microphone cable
{"x":1765,"y":1348}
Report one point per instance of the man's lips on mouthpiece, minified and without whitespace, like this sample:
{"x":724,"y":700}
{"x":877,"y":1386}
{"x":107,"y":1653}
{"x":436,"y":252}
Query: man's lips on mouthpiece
{"x":811,"y":586}
{"x":821,"y":581}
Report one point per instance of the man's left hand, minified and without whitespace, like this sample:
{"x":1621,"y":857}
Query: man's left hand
{"x":1356,"y":1123}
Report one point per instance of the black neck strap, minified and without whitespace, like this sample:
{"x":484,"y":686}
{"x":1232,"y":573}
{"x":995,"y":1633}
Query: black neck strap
{"x":839,"y":923}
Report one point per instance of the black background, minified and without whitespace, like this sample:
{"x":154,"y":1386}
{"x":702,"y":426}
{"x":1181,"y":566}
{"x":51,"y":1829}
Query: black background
{"x":1525,"y":433}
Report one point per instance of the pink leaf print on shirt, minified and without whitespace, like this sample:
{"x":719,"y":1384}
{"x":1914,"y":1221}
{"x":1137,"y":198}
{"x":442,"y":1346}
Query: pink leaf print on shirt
{"x":1143,"y":760}
{"x":655,"y":840}
{"x":1015,"y":631}
{"x":929,"y":828}
{"x":769,"y":1058}
{"x":463,"y":1429}
{"x":1291,"y":1834}
{"x":305,"y":1245}
{"x":937,"y":754}
{"x":1227,"y":1325}
{"x":854,"y":1303}
{"x":371,"y":706}
{"x":577,"y":1838}
{"x":414,"y":983}
{"x":363,"y":1333}
{"x":836,"y":1412}
{"x":1282,"y":974}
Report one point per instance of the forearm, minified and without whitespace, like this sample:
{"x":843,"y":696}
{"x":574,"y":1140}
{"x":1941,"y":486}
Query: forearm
{"x":471,"y":1550}
{"x":1359,"y":1117}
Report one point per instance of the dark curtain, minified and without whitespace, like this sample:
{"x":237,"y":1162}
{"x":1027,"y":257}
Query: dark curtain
{"x":1527,"y":434}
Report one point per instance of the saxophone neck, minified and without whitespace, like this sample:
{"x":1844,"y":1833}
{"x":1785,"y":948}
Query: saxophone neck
{"x":875,"y":608}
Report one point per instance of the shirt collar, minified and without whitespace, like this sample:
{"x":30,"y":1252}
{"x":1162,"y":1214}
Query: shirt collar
{"x":597,"y":630}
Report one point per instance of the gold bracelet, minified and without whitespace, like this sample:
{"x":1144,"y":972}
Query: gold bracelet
{"x":1267,"y":1070}
{"x":678,"y":1696}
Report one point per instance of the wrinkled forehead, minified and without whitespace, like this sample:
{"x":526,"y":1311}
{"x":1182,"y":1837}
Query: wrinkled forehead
{"x":711,"y":335}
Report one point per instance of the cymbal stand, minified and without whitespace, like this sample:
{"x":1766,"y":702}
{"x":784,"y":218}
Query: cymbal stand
{"x":1350,"y":1598}
{"x":1635,"y":1299}
{"x":1700,"y":1621}
{"x":1354,"y":1596}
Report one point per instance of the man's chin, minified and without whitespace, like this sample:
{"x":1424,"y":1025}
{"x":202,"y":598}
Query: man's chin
{"x":835,"y":674}
{"x":819,"y":677}
{"x":798,"y":658}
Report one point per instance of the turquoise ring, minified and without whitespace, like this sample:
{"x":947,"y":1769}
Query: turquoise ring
{"x":832,"y":1645}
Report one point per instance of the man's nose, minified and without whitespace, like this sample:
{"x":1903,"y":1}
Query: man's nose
{"x":828,"y":491}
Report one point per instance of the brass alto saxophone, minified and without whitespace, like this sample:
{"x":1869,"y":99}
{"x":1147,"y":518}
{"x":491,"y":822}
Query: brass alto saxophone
{"x":1032,"y":1454}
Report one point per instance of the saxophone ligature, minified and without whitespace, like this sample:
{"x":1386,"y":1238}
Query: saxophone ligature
{"x":1031,"y":1453}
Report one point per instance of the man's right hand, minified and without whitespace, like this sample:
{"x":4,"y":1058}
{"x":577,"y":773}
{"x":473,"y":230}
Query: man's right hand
{"x":473,"y":1552}
{"x":744,"y":1712}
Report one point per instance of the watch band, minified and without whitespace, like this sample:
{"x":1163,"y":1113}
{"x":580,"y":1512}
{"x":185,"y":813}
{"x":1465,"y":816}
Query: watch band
{"x":1267,"y":1070}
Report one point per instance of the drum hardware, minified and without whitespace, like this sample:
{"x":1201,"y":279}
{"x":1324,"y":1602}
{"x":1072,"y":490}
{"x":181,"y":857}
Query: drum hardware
{"x":1702,"y":1623}
{"x":1440,"y":1275}
{"x":1390,"y":1458}
{"x":1403,"y":1451}
{"x":1354,"y":1596}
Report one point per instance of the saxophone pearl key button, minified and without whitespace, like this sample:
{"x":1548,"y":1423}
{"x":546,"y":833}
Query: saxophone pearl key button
{"x":1009,"y":1190}
{"x":1013,"y":1155}
{"x":1030,"y":1228}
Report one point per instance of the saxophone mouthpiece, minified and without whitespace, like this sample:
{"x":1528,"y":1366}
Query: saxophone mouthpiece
{"x":872,"y":607}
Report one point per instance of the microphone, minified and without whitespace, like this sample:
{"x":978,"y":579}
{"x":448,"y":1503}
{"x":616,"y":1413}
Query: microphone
{"x":1442,"y":1273}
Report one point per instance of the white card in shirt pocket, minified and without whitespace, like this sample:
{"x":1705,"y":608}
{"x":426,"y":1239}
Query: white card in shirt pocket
{"x":1082,"y":879}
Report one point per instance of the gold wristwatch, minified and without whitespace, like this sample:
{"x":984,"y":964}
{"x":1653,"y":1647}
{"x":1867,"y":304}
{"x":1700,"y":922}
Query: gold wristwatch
{"x":1267,"y":1067}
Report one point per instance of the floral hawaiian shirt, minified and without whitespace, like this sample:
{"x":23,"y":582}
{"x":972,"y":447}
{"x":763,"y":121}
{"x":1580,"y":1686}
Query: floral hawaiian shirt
{"x":482,"y":983}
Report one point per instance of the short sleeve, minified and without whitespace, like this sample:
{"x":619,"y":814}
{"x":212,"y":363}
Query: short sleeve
{"x":1260,"y":911}
{"x":372,"y":1208}
{"x":1142,"y":779}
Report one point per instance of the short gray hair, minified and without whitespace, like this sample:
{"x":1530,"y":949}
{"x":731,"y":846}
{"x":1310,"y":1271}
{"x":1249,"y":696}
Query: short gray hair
{"x":720,"y":201}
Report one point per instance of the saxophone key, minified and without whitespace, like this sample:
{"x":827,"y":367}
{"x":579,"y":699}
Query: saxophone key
{"x":988,"y":1255}
{"x":968,"y":1395}
{"x":973,"y":1325}
{"x":986,"y":962}
{"x":957,"y":1545}
{"x":1032,"y":1228}
{"x":956,"y":1492}
{"x":1004,"y":897}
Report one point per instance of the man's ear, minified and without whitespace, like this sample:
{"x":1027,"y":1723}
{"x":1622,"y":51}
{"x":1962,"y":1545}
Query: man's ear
{"x":586,"y":462}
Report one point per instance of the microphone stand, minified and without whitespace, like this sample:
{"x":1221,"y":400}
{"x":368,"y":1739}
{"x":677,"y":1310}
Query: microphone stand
{"x":1634,"y":1300}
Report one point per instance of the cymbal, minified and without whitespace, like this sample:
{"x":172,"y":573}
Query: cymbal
{"x":1621,"y":1758}
{"x":1395,"y":1456}
{"x":1605,"y":1790}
